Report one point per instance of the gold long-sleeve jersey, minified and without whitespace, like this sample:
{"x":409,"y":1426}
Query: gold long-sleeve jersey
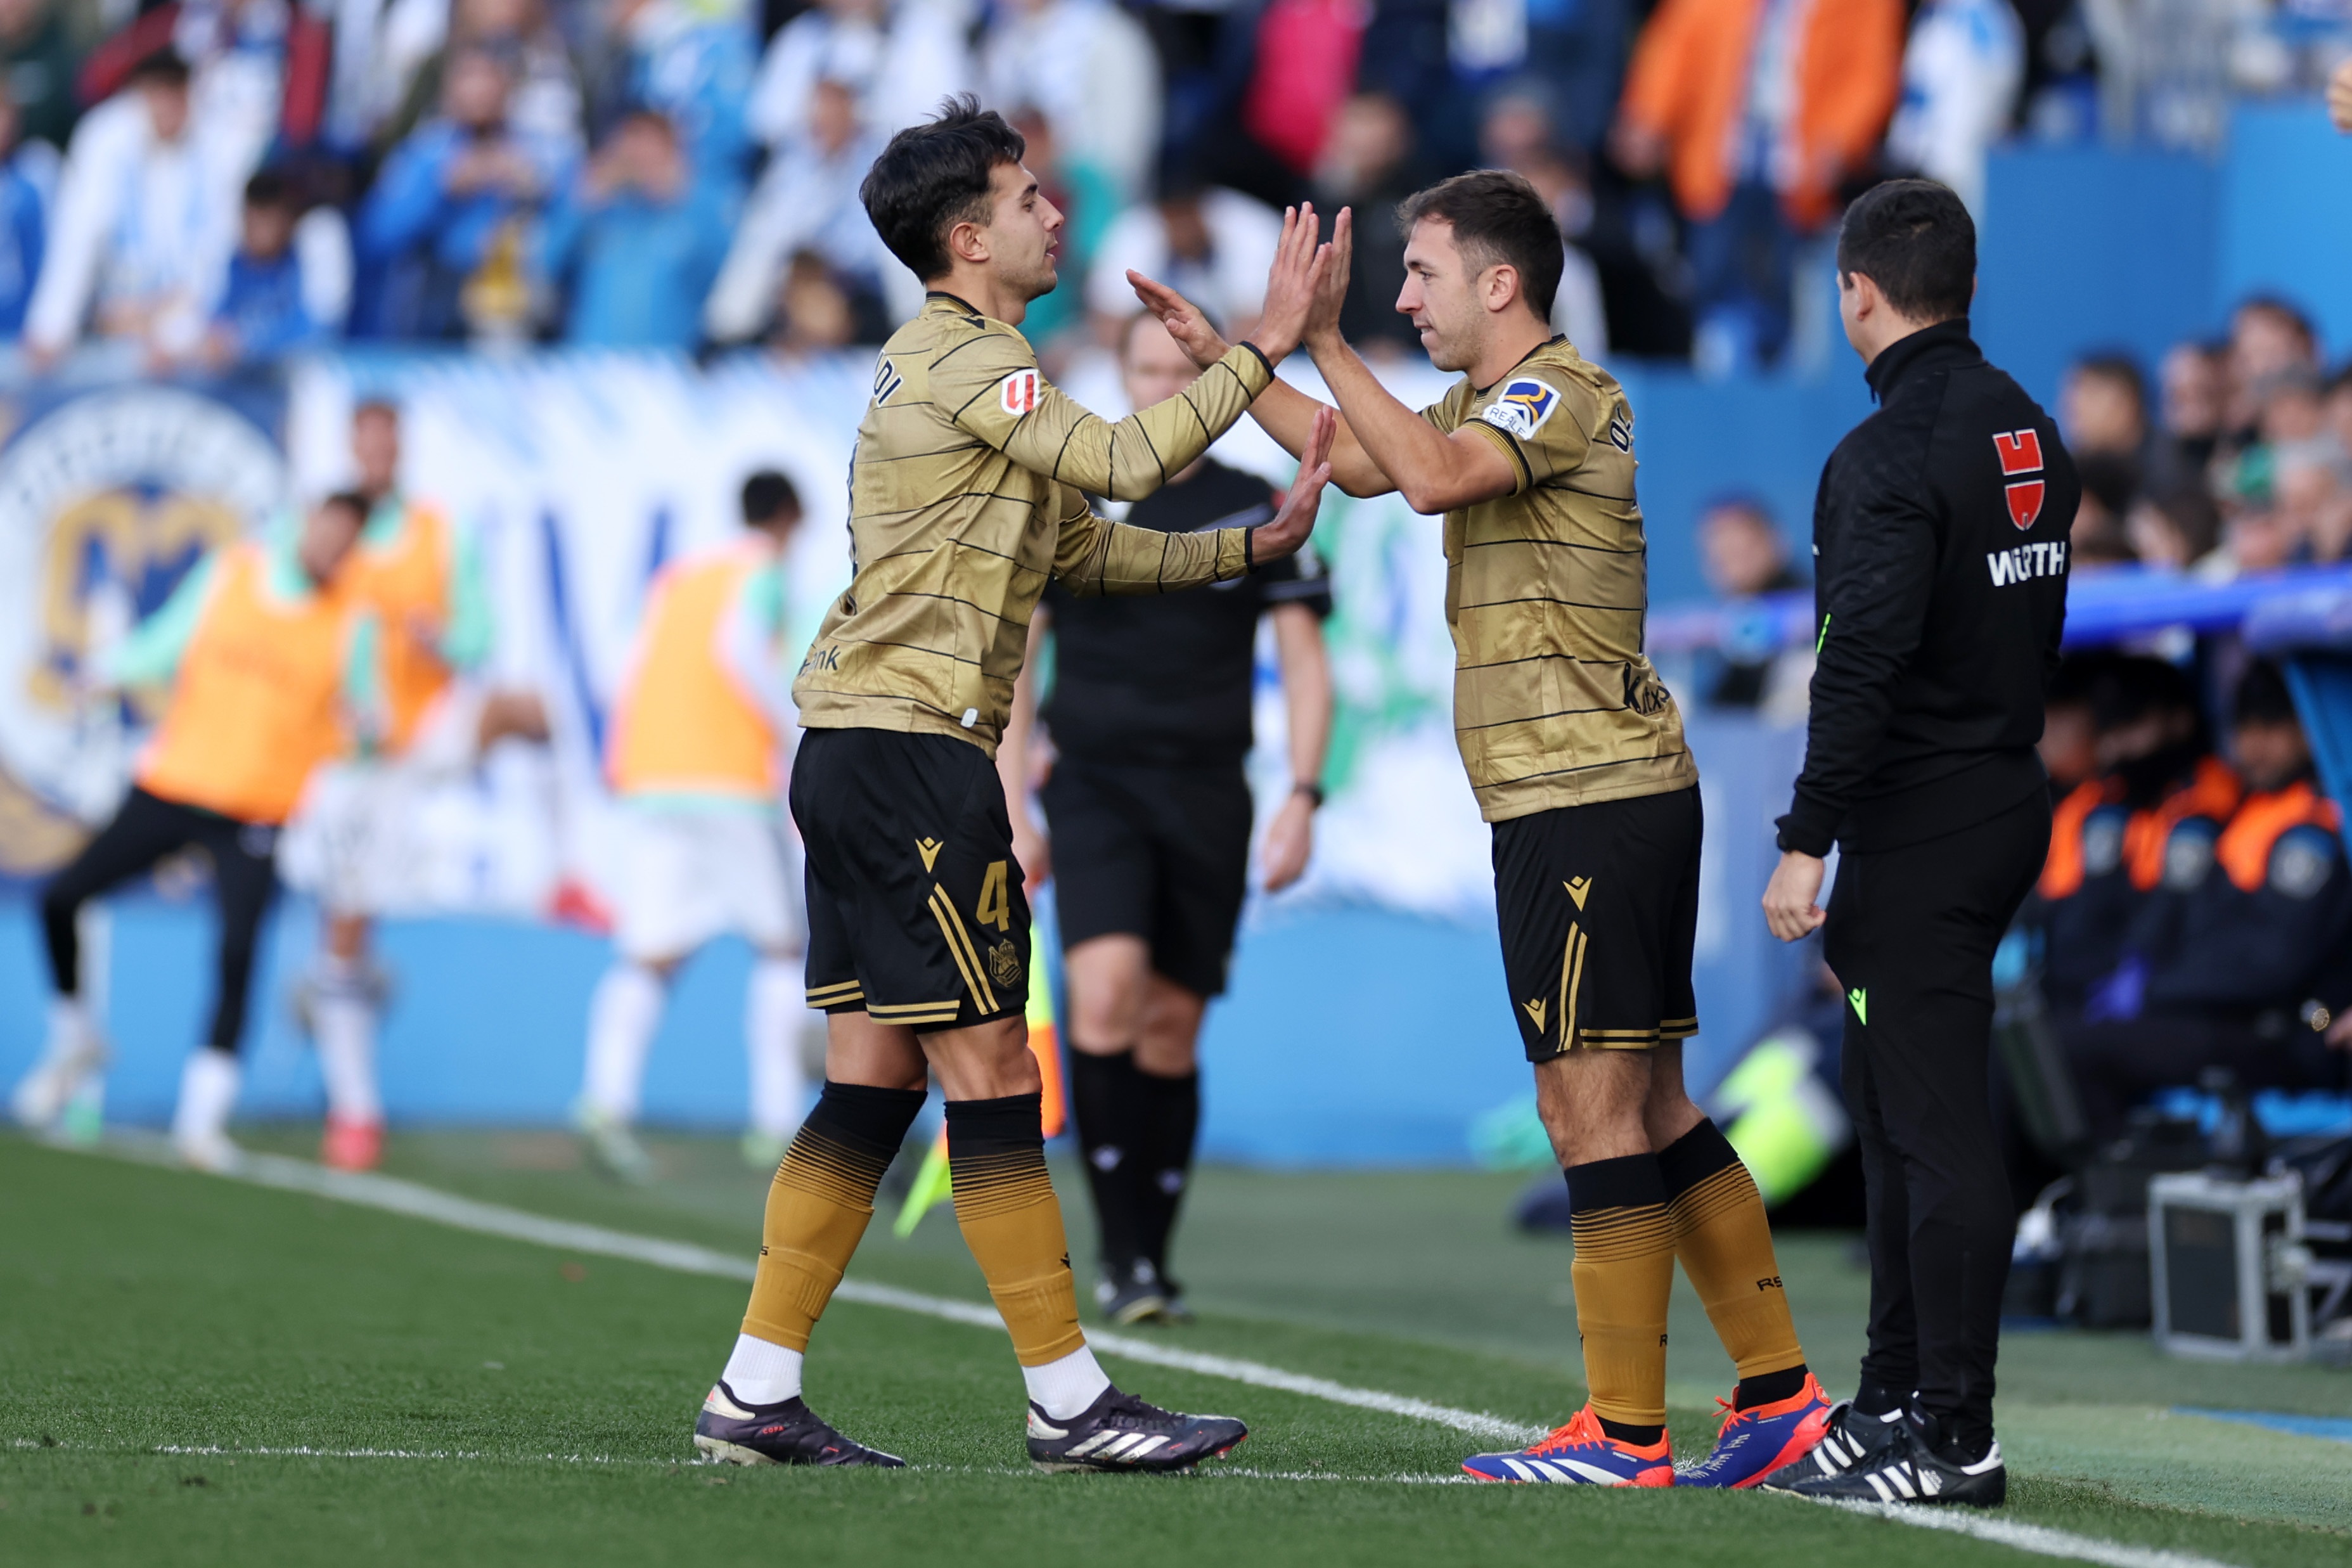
{"x":967,"y":491}
{"x":1547,"y":591}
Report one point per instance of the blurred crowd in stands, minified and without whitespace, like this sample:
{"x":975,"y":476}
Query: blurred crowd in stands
{"x":2235,"y":456}
{"x":209,"y":183}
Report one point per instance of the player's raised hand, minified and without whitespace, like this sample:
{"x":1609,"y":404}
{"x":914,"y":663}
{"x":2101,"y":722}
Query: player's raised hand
{"x":1296,"y":521}
{"x":1182,"y":318}
{"x":1298,"y":262}
{"x":1322,"y":326}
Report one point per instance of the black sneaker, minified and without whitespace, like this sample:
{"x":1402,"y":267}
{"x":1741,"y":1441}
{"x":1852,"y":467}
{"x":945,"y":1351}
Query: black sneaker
{"x":1130,"y":1296}
{"x":1120,"y":1432}
{"x":729,"y":1432}
{"x":1852,"y":1441}
{"x":1912,"y":1471}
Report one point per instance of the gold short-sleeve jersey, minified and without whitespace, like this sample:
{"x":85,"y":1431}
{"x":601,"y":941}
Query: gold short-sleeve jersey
{"x":967,"y":490}
{"x":1546,"y":590}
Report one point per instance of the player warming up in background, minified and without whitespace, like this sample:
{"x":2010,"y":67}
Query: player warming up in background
{"x":697,"y":761}
{"x":965,"y":497}
{"x":257,"y":647}
{"x":1150,"y":811}
{"x":1575,"y":752}
{"x":353,"y":842}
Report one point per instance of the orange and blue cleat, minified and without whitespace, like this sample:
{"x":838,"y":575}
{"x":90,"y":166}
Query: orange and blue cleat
{"x":1753,"y":1443}
{"x":1581,"y":1453}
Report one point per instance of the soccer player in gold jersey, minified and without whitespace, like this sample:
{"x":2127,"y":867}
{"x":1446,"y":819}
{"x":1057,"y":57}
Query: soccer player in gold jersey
{"x":1575,"y":752}
{"x":967,"y":492}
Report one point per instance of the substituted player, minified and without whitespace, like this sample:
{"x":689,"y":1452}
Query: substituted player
{"x":1575,"y":752}
{"x":1941,"y":538}
{"x":966,"y":495}
{"x":1150,"y":812}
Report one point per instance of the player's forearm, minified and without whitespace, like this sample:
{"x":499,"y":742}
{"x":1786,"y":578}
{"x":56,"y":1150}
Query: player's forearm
{"x":1020,"y":725}
{"x":1129,"y":458}
{"x":1096,"y":556}
{"x":1287,"y":414}
{"x":1306,"y":690}
{"x":1413,"y":454}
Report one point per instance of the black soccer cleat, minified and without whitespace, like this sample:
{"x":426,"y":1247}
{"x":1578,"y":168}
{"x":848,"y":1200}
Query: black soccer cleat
{"x":1120,"y":1432}
{"x":1131,"y":1296}
{"x":1910,"y":1470}
{"x":729,"y":1432}
{"x":1852,"y":1441}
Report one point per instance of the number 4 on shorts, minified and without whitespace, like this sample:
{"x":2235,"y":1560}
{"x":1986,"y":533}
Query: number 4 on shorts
{"x":995,"y":898}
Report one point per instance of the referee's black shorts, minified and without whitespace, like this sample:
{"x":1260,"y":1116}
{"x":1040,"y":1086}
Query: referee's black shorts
{"x":1599,"y":906}
{"x":916,"y":913}
{"x":1161,"y":853}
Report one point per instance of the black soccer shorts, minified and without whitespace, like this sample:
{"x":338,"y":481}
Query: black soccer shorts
{"x":916,"y":913}
{"x":1599,"y":906}
{"x":1160,"y":853}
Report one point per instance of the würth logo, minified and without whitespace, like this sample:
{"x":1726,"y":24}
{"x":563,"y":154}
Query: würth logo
{"x":1019,"y":394}
{"x":2019,"y":452}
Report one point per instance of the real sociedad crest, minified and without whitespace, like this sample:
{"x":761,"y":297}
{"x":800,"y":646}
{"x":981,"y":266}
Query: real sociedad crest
{"x":106,"y":501}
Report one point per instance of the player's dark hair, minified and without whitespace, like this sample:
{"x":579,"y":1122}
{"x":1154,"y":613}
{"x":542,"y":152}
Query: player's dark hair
{"x":1498,"y":221}
{"x":2262,"y":697}
{"x":768,"y":496}
{"x":1915,"y":240}
{"x":933,"y":176}
{"x":164,"y":68}
{"x":358,"y":505}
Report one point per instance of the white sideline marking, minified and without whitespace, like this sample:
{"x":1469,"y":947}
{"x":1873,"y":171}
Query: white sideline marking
{"x":2037,"y":1539}
{"x":394,"y":1196}
{"x":415,"y":1201}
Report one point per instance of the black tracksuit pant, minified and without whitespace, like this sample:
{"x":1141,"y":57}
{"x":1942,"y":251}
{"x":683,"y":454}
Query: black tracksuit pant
{"x":1911,"y":936}
{"x":147,"y":828}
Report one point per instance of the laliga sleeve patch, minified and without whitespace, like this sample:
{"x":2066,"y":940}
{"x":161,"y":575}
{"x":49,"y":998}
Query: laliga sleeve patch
{"x":1521,"y":408}
{"x":1018,"y":395}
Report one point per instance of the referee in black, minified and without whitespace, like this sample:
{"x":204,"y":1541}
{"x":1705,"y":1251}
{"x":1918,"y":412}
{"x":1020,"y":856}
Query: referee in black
{"x":1150,"y":819}
{"x":1940,"y":532}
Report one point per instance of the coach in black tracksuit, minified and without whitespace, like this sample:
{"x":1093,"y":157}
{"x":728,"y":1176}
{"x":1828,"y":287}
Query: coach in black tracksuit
{"x":1940,"y":531}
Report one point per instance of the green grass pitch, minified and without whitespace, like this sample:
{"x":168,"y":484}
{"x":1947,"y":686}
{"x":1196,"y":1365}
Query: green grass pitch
{"x":507,"y":1403}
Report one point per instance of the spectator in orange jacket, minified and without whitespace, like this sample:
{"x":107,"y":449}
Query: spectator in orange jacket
{"x":1755,"y":109}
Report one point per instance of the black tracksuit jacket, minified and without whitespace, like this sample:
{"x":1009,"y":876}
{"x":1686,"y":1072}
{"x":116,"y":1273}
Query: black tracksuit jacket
{"x":1941,"y":559}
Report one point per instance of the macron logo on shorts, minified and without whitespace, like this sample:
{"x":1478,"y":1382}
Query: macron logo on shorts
{"x":1018,"y":395}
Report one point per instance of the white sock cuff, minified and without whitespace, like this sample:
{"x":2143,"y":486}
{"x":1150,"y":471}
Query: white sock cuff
{"x":1064,"y":1388}
{"x":761,"y":1372}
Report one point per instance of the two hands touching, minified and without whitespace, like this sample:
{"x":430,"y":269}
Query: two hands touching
{"x":1304,"y":291}
{"x":1303,"y":294}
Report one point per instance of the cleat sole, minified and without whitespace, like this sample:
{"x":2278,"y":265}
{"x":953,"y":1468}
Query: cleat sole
{"x":1077,"y":1467}
{"x":717,"y":1451}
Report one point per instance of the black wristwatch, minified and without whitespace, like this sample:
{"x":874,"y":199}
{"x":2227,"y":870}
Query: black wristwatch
{"x":1313,"y":792}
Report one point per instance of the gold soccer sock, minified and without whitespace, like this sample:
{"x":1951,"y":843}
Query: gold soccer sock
{"x":819,"y":1204}
{"x":1012,"y":1223}
{"x":1725,"y":1246}
{"x":1623,"y":1274}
